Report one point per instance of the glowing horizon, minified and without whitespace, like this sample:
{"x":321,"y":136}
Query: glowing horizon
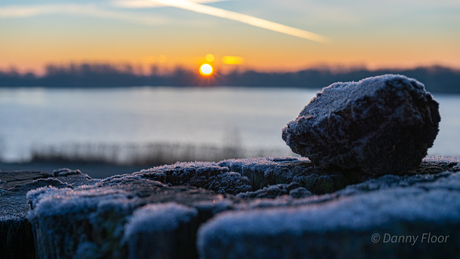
{"x":146,"y":33}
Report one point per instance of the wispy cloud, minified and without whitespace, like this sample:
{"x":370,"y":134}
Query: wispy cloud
{"x":150,"y":3}
{"x":88,"y":10}
{"x":193,"y":5}
{"x":209,"y":10}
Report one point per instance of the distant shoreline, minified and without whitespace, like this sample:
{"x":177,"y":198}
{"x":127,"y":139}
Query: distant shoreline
{"x":437,"y":79}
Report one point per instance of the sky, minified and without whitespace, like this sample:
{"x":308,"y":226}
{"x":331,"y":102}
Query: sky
{"x":265,"y":35}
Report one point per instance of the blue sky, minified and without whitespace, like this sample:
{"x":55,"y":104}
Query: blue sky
{"x":386,"y":33}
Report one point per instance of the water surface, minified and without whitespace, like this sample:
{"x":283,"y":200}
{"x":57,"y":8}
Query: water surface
{"x":252,"y":117}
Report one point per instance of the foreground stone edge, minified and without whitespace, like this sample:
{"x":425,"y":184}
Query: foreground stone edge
{"x":347,"y":227}
{"x":90,"y":249}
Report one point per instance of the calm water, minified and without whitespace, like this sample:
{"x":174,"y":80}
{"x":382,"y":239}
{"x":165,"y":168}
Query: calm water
{"x":253,"y":116}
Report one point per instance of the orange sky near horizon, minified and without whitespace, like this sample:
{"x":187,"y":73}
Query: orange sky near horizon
{"x":390,"y":38}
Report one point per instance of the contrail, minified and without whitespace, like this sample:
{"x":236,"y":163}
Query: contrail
{"x":199,"y":8}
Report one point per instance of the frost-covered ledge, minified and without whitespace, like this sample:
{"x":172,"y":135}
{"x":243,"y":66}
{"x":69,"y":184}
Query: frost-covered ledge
{"x":252,"y":208}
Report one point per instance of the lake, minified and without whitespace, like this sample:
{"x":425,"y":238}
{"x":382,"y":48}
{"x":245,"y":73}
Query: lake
{"x":251,"y":117}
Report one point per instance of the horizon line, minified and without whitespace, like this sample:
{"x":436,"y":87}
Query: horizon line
{"x":134,"y":68}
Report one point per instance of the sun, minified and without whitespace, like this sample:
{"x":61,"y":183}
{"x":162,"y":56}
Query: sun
{"x":206,"y":70}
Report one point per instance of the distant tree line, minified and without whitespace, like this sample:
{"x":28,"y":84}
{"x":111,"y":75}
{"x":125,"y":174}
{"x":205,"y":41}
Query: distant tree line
{"x":437,"y":79}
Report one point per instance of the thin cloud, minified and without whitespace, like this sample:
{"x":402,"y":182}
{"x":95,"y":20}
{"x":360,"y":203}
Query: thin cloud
{"x":88,"y":10}
{"x":151,"y":4}
{"x":199,"y":8}
{"x":92,"y":10}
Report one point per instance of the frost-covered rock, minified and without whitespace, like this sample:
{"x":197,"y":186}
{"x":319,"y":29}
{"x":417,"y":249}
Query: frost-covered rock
{"x":65,"y":172}
{"x":379,"y":125}
{"x":91,"y":220}
{"x":206,"y":175}
{"x":433,"y":169}
{"x":62,"y":219}
{"x":73,"y":216}
{"x":16,"y":238}
{"x":208,"y":209}
{"x":421,"y":220}
{"x":12,"y":178}
{"x":162,"y":231}
{"x":293,"y":189}
{"x":268,"y":171}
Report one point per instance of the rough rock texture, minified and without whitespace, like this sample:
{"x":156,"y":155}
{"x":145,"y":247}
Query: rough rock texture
{"x":267,"y":171}
{"x":273,"y":191}
{"x":162,"y":231}
{"x":206,"y":175}
{"x":12,"y":178}
{"x":379,"y":125}
{"x":65,"y":172}
{"x":132,"y":216}
{"x":90,"y":221}
{"x":16,"y":239}
{"x":432,"y":169}
{"x":403,"y":217}
{"x":235,"y":176}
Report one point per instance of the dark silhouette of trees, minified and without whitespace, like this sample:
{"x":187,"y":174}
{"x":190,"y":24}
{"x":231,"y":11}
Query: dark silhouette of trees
{"x":437,"y":79}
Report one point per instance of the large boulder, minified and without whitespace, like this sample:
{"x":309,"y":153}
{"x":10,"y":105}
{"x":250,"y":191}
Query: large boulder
{"x":379,"y":125}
